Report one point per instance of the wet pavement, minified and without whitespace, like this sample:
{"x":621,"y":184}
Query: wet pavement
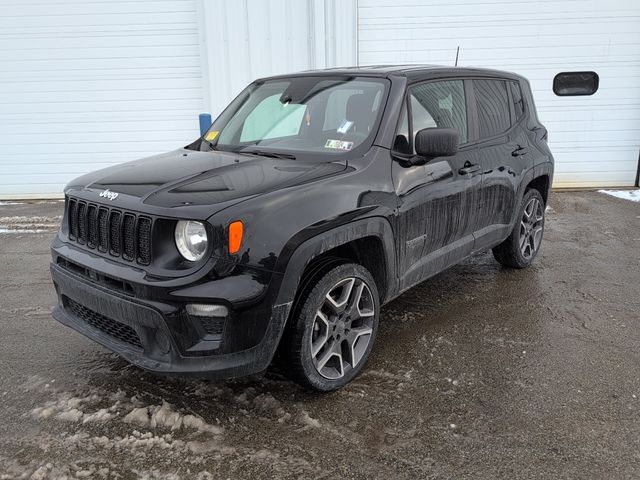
{"x":480,"y":372}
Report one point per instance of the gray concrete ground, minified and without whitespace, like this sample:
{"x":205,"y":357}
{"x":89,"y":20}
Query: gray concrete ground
{"x":480,"y":372}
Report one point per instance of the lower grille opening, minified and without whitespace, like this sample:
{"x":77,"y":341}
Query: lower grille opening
{"x":111,"y":327}
{"x":107,"y":281}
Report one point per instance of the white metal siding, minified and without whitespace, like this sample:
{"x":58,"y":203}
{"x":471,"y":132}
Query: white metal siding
{"x":249,"y":39}
{"x":595,"y":139}
{"x":86,"y":84}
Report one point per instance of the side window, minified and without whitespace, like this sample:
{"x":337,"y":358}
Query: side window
{"x":518,"y":101}
{"x":272,"y":119}
{"x":421,"y":116}
{"x":439,"y":104}
{"x":493,"y":107}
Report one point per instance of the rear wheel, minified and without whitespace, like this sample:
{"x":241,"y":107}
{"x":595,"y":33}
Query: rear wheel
{"x":334,"y":329}
{"x":521,"y":247}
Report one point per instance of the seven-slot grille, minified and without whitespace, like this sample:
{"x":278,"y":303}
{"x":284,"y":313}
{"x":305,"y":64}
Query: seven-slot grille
{"x":109,"y":230}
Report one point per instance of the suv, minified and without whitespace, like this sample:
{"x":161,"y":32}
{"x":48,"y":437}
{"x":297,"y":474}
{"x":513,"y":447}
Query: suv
{"x":311,"y":201}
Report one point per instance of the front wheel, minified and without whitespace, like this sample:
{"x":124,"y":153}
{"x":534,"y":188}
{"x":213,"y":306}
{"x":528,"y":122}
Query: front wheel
{"x":334,"y":329}
{"x":521,"y":247}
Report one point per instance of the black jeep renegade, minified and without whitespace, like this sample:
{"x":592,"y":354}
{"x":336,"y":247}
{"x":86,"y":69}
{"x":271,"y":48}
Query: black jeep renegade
{"x":311,"y":201}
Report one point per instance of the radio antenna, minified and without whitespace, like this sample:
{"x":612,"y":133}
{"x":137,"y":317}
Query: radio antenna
{"x":457,"y":52}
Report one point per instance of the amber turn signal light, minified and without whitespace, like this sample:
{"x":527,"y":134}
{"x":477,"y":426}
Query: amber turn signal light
{"x":236,"y":230}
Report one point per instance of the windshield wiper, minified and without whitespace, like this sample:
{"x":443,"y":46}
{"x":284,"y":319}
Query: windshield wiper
{"x":262,"y":153}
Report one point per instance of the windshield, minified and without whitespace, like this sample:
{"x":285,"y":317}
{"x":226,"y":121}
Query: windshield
{"x":301,"y":115}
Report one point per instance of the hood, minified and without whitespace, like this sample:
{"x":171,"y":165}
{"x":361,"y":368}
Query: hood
{"x":190,"y":178}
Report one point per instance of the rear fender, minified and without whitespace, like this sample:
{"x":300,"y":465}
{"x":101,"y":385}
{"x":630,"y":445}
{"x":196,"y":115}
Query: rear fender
{"x":527,"y":176}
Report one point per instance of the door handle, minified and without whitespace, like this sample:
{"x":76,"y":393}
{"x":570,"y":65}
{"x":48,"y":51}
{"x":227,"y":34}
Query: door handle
{"x":519,"y":151}
{"x":469,"y":168}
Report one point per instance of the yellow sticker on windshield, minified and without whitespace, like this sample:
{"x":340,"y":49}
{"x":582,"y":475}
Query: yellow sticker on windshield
{"x":338,"y":144}
{"x":211,"y":136}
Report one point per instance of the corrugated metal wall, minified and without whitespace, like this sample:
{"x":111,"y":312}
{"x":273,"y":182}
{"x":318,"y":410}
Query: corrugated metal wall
{"x":87,"y":84}
{"x":249,"y":39}
{"x":595,"y":139}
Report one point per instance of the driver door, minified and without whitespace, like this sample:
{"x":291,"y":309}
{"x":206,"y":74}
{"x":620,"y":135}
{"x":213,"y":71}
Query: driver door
{"x":437,"y":201}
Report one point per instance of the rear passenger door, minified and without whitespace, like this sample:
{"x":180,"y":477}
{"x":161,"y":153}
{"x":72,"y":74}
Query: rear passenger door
{"x":502,"y":147}
{"x":438,"y":200}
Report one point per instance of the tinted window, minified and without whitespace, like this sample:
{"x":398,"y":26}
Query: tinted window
{"x":575,"y":83}
{"x":493,"y":107}
{"x":518,"y":102}
{"x":439,"y":104}
{"x":313,"y":115}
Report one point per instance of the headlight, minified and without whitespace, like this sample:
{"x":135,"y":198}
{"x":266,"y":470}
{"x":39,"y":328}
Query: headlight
{"x":191,"y":239}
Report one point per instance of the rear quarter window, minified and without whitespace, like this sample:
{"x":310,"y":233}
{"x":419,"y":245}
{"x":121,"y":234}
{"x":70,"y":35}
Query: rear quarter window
{"x":492,"y":103}
{"x":518,"y":100}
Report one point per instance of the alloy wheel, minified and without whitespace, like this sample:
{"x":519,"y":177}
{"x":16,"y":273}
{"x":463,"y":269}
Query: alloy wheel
{"x":531,"y":227}
{"x":342,"y":328}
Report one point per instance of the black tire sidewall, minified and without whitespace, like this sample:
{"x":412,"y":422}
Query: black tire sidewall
{"x":305,"y":319}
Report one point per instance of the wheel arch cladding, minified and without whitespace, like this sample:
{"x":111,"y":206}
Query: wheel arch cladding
{"x":540,"y":183}
{"x":369,"y":252}
{"x":368,"y":242}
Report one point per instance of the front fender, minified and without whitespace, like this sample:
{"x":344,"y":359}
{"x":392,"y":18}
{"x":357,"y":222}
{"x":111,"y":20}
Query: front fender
{"x":303,"y":253}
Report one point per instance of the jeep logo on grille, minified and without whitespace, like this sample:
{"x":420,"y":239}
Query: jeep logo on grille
{"x":108,"y":194}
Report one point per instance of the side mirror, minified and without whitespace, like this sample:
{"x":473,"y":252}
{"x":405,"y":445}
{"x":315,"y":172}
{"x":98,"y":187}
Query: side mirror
{"x":436,"y":142}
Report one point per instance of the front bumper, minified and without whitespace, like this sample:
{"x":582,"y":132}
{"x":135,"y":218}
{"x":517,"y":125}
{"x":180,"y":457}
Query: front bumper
{"x":151,"y":334}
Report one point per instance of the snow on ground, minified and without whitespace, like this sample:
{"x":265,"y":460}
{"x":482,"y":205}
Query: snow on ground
{"x":29,"y":224}
{"x":633,"y":195}
{"x":31,"y":202}
{"x":16,"y":231}
{"x":165,"y":416}
{"x":65,"y":407}
{"x":308,"y":421}
{"x":107,"y":470}
{"x":99,"y":425}
{"x":24,"y":219}
{"x":70,"y":408}
{"x":81,"y":431}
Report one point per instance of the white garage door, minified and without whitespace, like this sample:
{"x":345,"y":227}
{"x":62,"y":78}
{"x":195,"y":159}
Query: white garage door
{"x":595,"y":139}
{"x":86,"y":84}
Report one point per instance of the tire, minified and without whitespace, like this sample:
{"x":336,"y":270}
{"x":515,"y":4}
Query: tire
{"x":521,"y":247}
{"x":333,"y":329}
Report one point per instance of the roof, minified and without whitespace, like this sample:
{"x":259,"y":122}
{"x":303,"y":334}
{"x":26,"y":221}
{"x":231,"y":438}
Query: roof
{"x":411,"y":72}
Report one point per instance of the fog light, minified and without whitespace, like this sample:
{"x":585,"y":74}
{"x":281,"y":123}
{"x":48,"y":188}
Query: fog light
{"x":205,"y":310}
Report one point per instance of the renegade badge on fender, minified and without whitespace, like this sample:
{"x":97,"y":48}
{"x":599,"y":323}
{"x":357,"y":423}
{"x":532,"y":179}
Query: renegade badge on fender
{"x":311,"y":201}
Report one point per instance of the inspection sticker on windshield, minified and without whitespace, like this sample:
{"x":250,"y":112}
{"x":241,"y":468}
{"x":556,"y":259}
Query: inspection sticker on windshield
{"x":211,"y":136}
{"x":338,"y":145}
